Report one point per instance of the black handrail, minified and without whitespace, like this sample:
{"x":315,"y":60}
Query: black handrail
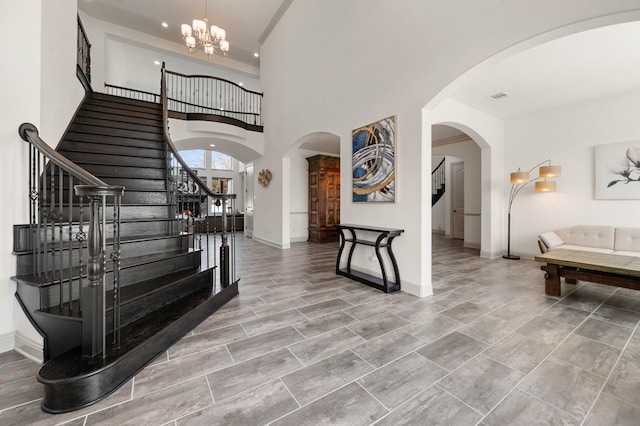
{"x":214,"y":109}
{"x":112,"y":89}
{"x":52,"y":228}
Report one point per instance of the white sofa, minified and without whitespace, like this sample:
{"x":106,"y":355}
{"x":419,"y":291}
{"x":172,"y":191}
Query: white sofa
{"x":594,"y":238}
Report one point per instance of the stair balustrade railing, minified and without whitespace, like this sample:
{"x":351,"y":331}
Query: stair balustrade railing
{"x":126,"y":92}
{"x":190,"y":198}
{"x":83,"y":67}
{"x":201,"y":94}
{"x":59,"y":236}
{"x":437,"y":182}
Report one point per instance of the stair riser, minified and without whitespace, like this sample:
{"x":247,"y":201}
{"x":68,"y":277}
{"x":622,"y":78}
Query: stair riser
{"x":144,"y":211}
{"x":115,"y":160}
{"x":93,"y":108}
{"x":122,"y":103}
{"x":138,"y":308}
{"x":110,"y":124}
{"x":49,"y":296}
{"x":129,"y":184}
{"x":115,"y":116}
{"x":105,"y":172}
{"x":127,"y":229}
{"x":85,"y":128}
{"x":97,"y":148}
{"x":112,"y":140}
{"x":128,"y":249}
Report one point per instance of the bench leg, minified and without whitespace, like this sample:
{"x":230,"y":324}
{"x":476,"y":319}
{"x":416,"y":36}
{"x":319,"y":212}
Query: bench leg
{"x":552,"y":280}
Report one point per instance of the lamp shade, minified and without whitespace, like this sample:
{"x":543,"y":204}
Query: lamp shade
{"x":519,"y":177}
{"x":546,"y":186}
{"x":186,"y":30}
{"x":549,"y":171}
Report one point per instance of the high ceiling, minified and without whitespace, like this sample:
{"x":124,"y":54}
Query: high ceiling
{"x":246,"y":21}
{"x":576,"y":68}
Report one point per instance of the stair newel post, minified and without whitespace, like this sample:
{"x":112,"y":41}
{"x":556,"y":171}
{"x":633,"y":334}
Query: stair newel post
{"x":93,"y":295}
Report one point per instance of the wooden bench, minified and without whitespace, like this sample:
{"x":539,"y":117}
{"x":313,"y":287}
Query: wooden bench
{"x":603,"y":268}
{"x":384,"y":238}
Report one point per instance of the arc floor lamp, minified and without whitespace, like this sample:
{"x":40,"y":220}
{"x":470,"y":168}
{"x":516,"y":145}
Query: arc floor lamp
{"x":519,"y":180}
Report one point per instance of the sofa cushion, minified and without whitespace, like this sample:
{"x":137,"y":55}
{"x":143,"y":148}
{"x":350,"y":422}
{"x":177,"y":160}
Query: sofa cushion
{"x":593,"y":236}
{"x":627,"y":239}
{"x":584,"y":248}
{"x":550,"y":239}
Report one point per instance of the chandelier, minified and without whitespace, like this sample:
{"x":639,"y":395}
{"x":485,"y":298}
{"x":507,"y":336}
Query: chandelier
{"x":198,"y":36}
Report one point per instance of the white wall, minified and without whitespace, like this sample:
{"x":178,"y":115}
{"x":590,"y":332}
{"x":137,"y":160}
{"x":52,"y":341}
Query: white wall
{"x":567,"y":136}
{"x":352,"y":76}
{"x":38,"y":86}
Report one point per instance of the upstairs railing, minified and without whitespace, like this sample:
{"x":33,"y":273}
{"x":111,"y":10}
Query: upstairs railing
{"x":190,"y":198}
{"x":83,"y":68}
{"x":201,"y":94}
{"x":126,"y":92}
{"x":438,"y":183}
{"x":68,"y":244}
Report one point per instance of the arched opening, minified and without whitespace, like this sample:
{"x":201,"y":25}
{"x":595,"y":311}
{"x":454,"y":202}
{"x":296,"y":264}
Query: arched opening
{"x":296,"y":190}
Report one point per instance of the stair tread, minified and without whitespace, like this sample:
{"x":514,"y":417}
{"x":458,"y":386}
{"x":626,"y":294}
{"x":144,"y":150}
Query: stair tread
{"x":127,"y":294}
{"x":53,"y":277}
{"x":73,"y":365}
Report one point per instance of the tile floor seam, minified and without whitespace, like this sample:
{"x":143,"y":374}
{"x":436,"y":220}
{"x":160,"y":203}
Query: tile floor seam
{"x":546,"y":403}
{"x":543,"y":360}
{"x":604,"y":384}
{"x":206,"y":377}
{"x":230,"y":355}
{"x":459,"y":400}
{"x":372,"y":396}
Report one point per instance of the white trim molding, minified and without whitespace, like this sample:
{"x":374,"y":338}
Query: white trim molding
{"x":29,"y":348}
{"x":7,"y":341}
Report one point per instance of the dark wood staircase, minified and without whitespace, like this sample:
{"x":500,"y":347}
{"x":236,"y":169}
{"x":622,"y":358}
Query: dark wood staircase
{"x":438,"y":187}
{"x":164,"y":290}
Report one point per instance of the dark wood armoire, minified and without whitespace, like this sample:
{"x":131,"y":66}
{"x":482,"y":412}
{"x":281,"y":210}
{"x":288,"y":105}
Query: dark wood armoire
{"x":324,"y":198}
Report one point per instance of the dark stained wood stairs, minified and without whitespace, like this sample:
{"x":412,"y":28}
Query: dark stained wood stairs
{"x":164,"y":289}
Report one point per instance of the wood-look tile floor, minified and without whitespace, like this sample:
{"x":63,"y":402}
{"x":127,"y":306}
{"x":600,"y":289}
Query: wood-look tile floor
{"x":301,"y":346}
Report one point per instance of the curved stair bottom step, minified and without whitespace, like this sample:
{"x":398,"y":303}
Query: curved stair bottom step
{"x":72,"y":382}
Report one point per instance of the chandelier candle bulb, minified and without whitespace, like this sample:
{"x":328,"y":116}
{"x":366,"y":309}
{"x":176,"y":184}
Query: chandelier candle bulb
{"x":199,"y":35}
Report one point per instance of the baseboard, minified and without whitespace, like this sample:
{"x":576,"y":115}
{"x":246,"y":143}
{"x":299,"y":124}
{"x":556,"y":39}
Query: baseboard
{"x":415,"y":289}
{"x":298,"y":239}
{"x":437,"y":231}
{"x":447,"y":235}
{"x":248,"y":233}
{"x":271,"y":243}
{"x":471,"y":245}
{"x":29,"y":348}
{"x":7,"y":341}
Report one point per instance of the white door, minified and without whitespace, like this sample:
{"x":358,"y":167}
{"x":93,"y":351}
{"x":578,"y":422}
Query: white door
{"x":457,"y":200}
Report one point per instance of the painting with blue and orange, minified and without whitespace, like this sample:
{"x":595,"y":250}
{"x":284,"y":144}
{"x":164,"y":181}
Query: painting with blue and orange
{"x":373,"y":167}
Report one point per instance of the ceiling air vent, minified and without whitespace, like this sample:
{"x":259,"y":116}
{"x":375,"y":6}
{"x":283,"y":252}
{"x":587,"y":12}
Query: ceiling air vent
{"x":499,"y":95}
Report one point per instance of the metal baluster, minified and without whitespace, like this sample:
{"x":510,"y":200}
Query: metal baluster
{"x":39,"y":206}
{"x":104,"y":274}
{"x":81,"y":237}
{"x":70,"y":224}
{"x":60,"y":232}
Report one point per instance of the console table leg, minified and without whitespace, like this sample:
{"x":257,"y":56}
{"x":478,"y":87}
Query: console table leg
{"x":396,"y":271}
{"x":385,"y":281}
{"x":342,"y":243}
{"x":552,"y":280}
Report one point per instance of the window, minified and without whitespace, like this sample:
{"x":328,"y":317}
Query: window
{"x":194,"y":158}
{"x":220,"y":161}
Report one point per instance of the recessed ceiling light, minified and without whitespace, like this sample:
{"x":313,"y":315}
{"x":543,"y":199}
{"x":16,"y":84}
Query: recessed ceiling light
{"x":164,"y":24}
{"x":240,"y":84}
{"x":256,"y":54}
{"x":212,"y":145}
{"x":156,"y":62}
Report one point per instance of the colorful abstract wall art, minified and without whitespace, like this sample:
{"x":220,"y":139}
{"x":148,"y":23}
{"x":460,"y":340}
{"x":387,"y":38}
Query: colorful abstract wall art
{"x":374,"y":161}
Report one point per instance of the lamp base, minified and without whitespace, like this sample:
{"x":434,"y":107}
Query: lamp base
{"x":511,"y":257}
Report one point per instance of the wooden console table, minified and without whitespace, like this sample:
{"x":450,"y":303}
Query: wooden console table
{"x":384,"y":239}
{"x":603,"y":268}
